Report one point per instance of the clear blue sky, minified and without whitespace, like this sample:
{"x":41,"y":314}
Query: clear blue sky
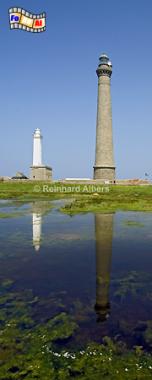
{"x":48,"y":80}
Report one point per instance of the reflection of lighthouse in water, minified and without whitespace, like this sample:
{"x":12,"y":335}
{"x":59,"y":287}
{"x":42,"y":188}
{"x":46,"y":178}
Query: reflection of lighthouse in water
{"x":37,"y":229}
{"x":39,"y":209}
{"x":104,"y":232}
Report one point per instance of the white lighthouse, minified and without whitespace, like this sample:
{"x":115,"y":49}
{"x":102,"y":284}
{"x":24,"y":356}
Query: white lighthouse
{"x":37,"y":148}
{"x":39,"y":171}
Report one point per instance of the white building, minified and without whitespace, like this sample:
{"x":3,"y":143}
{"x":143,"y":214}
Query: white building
{"x":39,"y":171}
{"x":37,"y":148}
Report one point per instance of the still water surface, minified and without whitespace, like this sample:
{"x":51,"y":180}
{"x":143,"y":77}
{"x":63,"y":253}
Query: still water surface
{"x":95,"y":267}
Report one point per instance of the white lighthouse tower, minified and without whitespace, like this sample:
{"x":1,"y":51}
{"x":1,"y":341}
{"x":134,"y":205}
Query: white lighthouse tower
{"x":37,"y":148}
{"x":39,"y":171}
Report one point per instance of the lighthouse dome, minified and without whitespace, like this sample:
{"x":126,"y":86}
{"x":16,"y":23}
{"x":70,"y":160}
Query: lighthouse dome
{"x":37,"y":132}
{"x":104,"y":60}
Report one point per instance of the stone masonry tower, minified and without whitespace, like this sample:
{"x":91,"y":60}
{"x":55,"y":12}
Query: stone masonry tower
{"x":104,"y":168}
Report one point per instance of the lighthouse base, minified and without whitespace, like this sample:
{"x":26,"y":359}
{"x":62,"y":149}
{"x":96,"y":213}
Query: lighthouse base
{"x":104,"y":173}
{"x":41,"y":173}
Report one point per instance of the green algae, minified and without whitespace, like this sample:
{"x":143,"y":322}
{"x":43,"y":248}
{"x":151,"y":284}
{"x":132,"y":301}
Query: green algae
{"x":7,"y":283}
{"x":148,"y":333}
{"x":132,"y":223}
{"x":8,"y":215}
{"x":39,"y":360}
{"x":29,"y":349}
{"x":133,"y":283}
{"x":61,"y":327}
{"x":25,"y":345}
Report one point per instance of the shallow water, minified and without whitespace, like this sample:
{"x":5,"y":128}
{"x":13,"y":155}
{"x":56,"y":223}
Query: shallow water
{"x":96,"y":268}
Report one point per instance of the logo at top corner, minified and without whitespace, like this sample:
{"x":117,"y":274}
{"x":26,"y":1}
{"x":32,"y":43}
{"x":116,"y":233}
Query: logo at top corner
{"x":21,"y":19}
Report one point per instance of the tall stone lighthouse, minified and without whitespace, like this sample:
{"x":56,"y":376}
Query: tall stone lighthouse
{"x":104,"y":168}
{"x":39,"y":172}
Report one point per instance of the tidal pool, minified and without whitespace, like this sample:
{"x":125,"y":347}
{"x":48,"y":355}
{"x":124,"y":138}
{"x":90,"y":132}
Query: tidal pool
{"x":93,"y":269}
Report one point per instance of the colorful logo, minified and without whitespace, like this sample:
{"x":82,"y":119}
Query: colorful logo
{"x":21,"y":19}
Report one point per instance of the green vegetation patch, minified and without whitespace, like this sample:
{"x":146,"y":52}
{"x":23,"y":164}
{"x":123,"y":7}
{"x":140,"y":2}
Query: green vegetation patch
{"x":133,"y":198}
{"x":87,"y":198}
{"x":133,"y":223}
{"x":132,"y":284}
{"x":28,"y":350}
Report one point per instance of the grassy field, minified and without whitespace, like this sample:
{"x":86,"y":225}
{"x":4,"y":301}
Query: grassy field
{"x":86,"y":197}
{"x":118,"y":198}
